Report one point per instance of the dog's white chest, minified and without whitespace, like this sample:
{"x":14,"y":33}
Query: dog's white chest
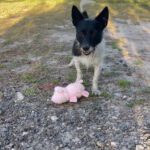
{"x":87,"y":61}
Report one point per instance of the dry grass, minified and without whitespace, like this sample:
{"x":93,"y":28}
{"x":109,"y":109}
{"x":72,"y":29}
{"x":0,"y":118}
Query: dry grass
{"x":14,"y":12}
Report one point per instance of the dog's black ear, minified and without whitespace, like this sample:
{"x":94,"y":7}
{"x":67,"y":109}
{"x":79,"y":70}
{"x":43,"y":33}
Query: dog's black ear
{"x":85,"y":14}
{"x":103,"y":17}
{"x":76,"y":16}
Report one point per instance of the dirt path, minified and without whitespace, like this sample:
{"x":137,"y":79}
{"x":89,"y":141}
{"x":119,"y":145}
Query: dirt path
{"x":136,"y":47}
{"x":31,"y":65}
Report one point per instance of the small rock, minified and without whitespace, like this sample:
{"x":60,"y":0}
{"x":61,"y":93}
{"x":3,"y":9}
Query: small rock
{"x":54,"y":118}
{"x":118,"y":94}
{"x":124,"y":97}
{"x":76,"y":140}
{"x":139,"y":147}
{"x":129,"y":99}
{"x":19,"y":96}
{"x":24,"y":133}
{"x":113,"y":144}
{"x":48,"y":100}
{"x":148,"y":142}
{"x":79,"y":128}
{"x":99,"y":144}
{"x":9,"y":146}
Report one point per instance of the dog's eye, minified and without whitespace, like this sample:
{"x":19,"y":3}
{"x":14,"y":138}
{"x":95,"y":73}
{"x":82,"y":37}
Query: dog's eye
{"x":84,"y":32}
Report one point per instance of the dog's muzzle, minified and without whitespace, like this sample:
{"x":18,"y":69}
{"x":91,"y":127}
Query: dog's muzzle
{"x":87,"y":50}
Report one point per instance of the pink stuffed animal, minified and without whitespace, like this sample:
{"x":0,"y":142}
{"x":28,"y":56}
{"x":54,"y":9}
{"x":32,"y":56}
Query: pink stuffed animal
{"x":70,"y":93}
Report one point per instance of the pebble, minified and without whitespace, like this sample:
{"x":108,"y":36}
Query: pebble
{"x":124,"y":97}
{"x":148,"y":142}
{"x":99,"y":144}
{"x":54,"y":118}
{"x":24,"y":133}
{"x":118,"y":94}
{"x":113,"y":144}
{"x":139,"y":147}
{"x":19,"y":96}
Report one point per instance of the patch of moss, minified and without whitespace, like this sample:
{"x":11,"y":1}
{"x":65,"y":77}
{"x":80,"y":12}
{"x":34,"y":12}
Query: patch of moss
{"x":71,"y":77}
{"x":138,"y":62}
{"x":124,"y":84}
{"x":2,"y":66}
{"x":105,"y":95}
{"x":146,"y":90}
{"x":29,"y":78}
{"x":135,"y":103}
{"x":115,"y":45}
{"x":30,"y":91}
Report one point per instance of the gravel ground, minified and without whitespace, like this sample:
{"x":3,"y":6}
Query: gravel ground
{"x":119,"y":119}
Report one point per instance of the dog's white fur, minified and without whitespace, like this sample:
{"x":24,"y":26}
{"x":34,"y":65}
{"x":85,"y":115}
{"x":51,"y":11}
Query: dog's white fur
{"x":94,"y":60}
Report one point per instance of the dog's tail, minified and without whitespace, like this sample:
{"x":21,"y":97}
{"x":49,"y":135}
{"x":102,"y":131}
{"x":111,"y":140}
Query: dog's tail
{"x":67,"y":66}
{"x":71,"y":63}
{"x":85,"y":2}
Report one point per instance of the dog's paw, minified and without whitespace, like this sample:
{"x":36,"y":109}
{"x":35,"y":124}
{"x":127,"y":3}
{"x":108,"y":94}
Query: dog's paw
{"x":96,"y":92}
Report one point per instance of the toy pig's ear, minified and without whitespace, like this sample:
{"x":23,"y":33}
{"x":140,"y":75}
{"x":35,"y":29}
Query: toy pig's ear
{"x":59,"y":89}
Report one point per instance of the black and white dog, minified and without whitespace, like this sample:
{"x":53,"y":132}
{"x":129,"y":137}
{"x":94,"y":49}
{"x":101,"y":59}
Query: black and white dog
{"x":89,"y":45}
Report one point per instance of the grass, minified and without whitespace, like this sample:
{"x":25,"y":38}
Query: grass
{"x":146,"y":90}
{"x":2,"y":66}
{"x":135,"y":103}
{"x":16,"y":11}
{"x":30,"y":91}
{"x":138,"y":62}
{"x":86,"y":83}
{"x":115,"y":45}
{"x":124,"y":84}
{"x":105,"y":95}
{"x":29,"y":78}
{"x":119,"y":44}
{"x":71,"y":76}
{"x":111,"y":74}
{"x":55,"y":81}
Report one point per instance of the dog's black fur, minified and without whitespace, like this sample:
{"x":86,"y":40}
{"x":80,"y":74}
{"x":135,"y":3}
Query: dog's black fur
{"x":89,"y":32}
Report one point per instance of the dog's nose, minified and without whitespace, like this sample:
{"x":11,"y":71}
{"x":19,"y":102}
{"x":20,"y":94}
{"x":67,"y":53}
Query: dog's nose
{"x":86,"y":48}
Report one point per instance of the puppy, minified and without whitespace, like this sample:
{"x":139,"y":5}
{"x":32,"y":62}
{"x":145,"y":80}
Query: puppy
{"x":89,"y":45}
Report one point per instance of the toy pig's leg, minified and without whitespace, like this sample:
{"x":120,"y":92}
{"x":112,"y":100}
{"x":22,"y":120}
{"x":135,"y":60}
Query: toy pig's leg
{"x":79,"y":73}
{"x":73,"y":99}
{"x":85,"y":93}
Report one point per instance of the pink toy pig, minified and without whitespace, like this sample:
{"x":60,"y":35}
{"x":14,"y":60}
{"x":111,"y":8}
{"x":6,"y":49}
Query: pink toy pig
{"x":70,"y":93}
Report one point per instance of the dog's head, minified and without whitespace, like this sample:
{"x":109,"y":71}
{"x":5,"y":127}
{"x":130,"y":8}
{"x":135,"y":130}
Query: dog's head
{"x":89,"y":32}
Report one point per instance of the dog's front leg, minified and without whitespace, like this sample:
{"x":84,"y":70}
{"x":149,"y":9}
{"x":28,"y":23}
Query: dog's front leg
{"x":78,"y":69}
{"x":95,"y":89}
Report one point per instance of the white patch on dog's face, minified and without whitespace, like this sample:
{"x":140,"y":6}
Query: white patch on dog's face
{"x":91,"y":50}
